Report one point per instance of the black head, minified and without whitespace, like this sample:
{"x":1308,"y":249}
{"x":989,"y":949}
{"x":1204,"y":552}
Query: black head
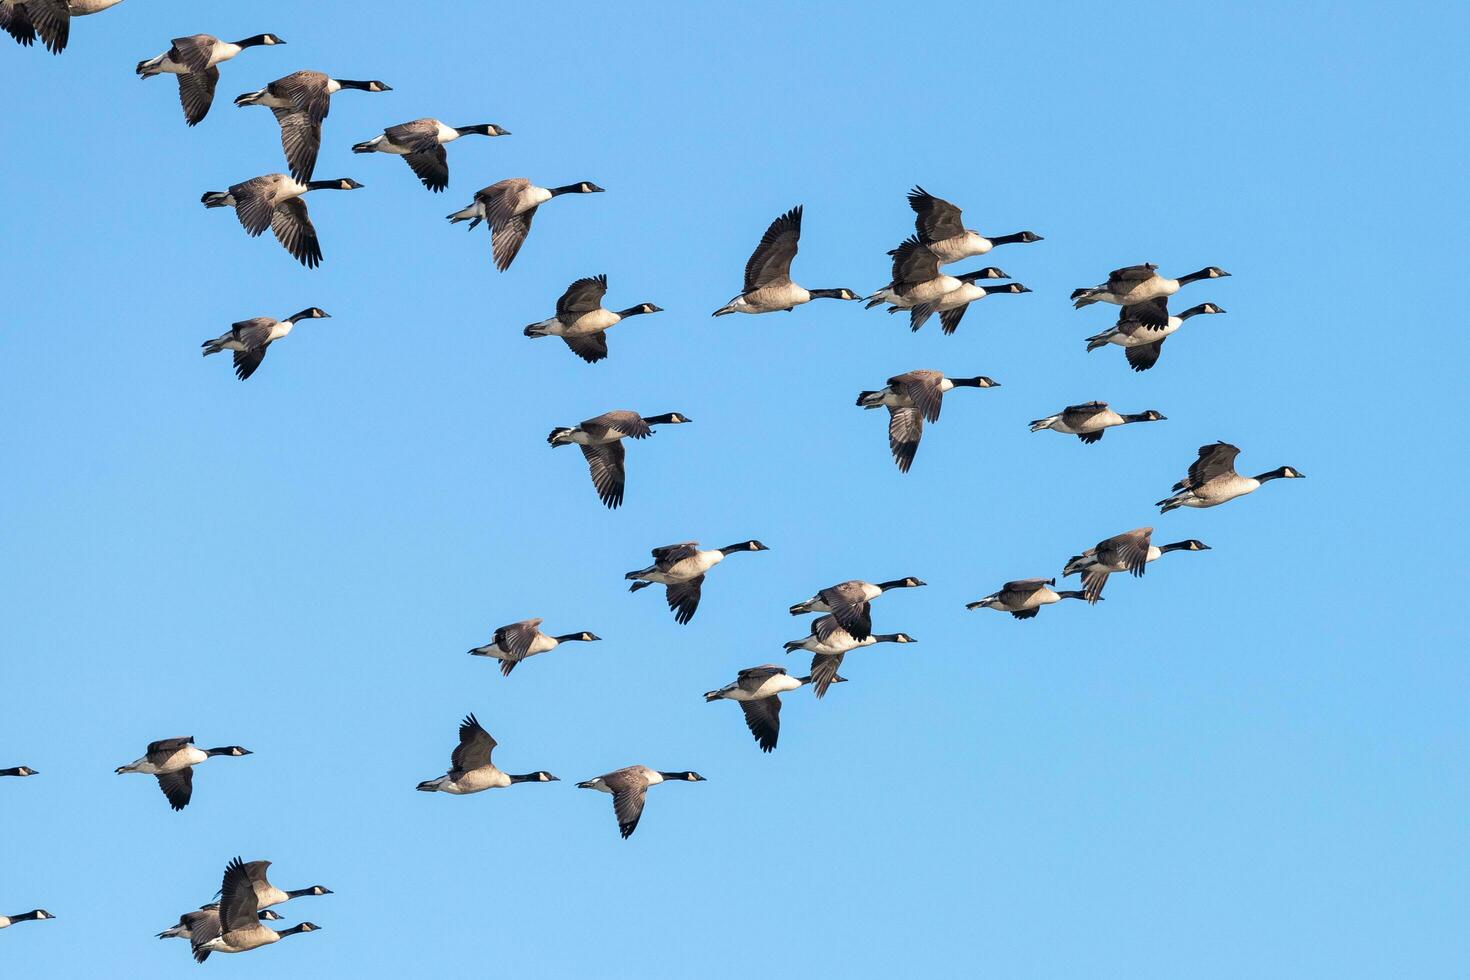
{"x":688,"y":777}
{"x":586,"y":187}
{"x":1026,"y":237}
{"x":1149,"y":416}
{"x":840,"y":293}
{"x":235,"y":750}
{"x":751,"y":545}
{"x":1197,"y":310}
{"x":258,"y":39}
{"x":540,"y":776}
{"x":1283,"y":473}
{"x":304,"y":927}
{"x":1194,"y":544}
{"x":979,"y":381}
{"x":668,"y":418}
{"x":36,"y":914}
{"x":339,"y":184}
{"x":989,"y":272}
{"x":269,"y":915}
{"x":1010,"y":287}
{"x":377,"y":86}
{"x":582,"y":637}
{"x":312,"y":313}
{"x":18,"y":771}
{"x":640,"y":310}
{"x":483,"y":129}
{"x":316,"y":890}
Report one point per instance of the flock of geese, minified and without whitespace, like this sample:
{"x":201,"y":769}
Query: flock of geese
{"x":919,"y":286}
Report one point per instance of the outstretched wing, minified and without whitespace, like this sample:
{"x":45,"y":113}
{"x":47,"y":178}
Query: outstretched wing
{"x":196,"y":93}
{"x":516,"y":638}
{"x":683,"y":598}
{"x":770,"y":263}
{"x":763,"y":718}
{"x":1214,"y":460}
{"x":293,"y":229}
{"x":609,"y":474}
{"x":474,"y":748}
{"x":935,"y":218}
{"x":905,"y":429}
{"x":301,"y":139}
{"x":583,"y":296}
{"x":590,"y":347}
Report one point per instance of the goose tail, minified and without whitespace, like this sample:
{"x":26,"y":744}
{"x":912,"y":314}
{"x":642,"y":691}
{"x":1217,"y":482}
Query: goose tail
{"x":215,"y":199}
{"x":249,"y":98}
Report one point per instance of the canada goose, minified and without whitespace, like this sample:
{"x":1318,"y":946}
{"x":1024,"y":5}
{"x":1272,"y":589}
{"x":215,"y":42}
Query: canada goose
{"x":51,"y":19}
{"x":300,"y":102}
{"x":600,"y":439}
{"x":267,"y":894}
{"x":1128,"y":552}
{"x":1024,"y":598}
{"x":757,"y":690}
{"x":952,"y":305}
{"x":582,"y":322}
{"x":250,"y":338}
{"x":941,"y":226}
{"x":829,"y":642}
{"x":34,"y":915}
{"x":194,"y":59}
{"x":517,"y":641}
{"x":917,"y":279}
{"x":421,"y":144}
{"x":18,"y":771}
{"x":470,"y":768}
{"x":1212,"y":479}
{"x":274,"y":201}
{"x":848,"y":603}
{"x":1137,"y":284}
{"x":172,"y":760}
{"x":768,"y":286}
{"x":1088,"y":420}
{"x":187,"y":921}
{"x":629,"y":788}
{"x":508,"y":207}
{"x":911,"y":398}
{"x":681,"y":569}
{"x":1142,"y":341}
{"x":237,"y":928}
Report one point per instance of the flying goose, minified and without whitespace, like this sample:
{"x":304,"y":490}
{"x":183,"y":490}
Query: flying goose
{"x":1212,"y":479}
{"x":236,"y":928}
{"x":1129,"y":552}
{"x":941,"y":226}
{"x":1024,"y":597}
{"x":1135,"y":285}
{"x":194,"y":59}
{"x":172,"y":760}
{"x":267,"y":894}
{"x":848,"y":603}
{"x":51,"y":19}
{"x":508,"y":207}
{"x":34,"y":915}
{"x":917,"y":279}
{"x":952,"y":305}
{"x":470,"y":768}
{"x":681,"y":569}
{"x":250,"y":338}
{"x":18,"y":771}
{"x":517,"y":641}
{"x":300,"y":102}
{"x":829,"y":642}
{"x":421,"y":144}
{"x":911,"y":398}
{"x":1142,"y":341}
{"x":582,"y":322}
{"x":757,"y":690}
{"x":768,"y":286}
{"x":629,"y":788}
{"x":274,"y":201}
{"x":600,"y":439}
{"x":1088,"y":420}
{"x":202,"y":915}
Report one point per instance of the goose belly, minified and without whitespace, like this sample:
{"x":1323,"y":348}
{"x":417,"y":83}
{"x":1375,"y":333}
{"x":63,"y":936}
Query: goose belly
{"x":955,"y":298}
{"x":532,"y":197}
{"x":595,"y":321}
{"x":772,"y":686}
{"x":929,"y":292}
{"x":81,"y":8}
{"x":1220,"y":491}
{"x":778,"y":297}
{"x":477,"y":781}
{"x":960,"y":247}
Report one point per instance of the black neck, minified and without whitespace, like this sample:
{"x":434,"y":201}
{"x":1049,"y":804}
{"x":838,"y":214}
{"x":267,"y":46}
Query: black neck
{"x":303,"y":315}
{"x":295,"y":929}
{"x":530,"y":777}
{"x":226,"y":750}
{"x":1072,"y":594}
{"x":326,"y":185}
{"x":1275,"y":474}
{"x":1137,"y":417}
{"x":829,"y":293}
{"x":26,"y":916}
{"x":349,"y":83}
{"x":1192,"y":311}
{"x":1019,"y":236}
{"x":569,"y":638}
{"x":971,"y":277}
{"x":1195,"y":276}
{"x":895,"y":584}
{"x":665,"y":419}
{"x":251,"y":42}
{"x":731,"y":549}
{"x":965,"y":382}
{"x":567,"y":189}
{"x":675,"y":775}
{"x":301,"y":892}
{"x":481,"y":129}
{"x":885,"y":637}
{"x":1175,"y":546}
{"x":12,"y":771}
{"x":633,"y":311}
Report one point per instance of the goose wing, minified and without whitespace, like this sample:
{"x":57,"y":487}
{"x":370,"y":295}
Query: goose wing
{"x":431,"y":167}
{"x":619,"y":423}
{"x":1153,"y":313}
{"x":922,"y":389}
{"x":1130,"y":276}
{"x":193,"y":52}
{"x":935,"y":218}
{"x":824,"y":669}
{"x":1215,"y":460}
{"x":669,"y":555}
{"x":306,"y":91}
{"x":1023,"y":587}
{"x":609,"y":474}
{"x":683,"y":598}
{"x":516,"y":638}
{"x":913,"y":262}
{"x":770,"y":263}
{"x":301,"y":140}
{"x":629,"y":790}
{"x":905,"y":429}
{"x":1129,"y":549}
{"x":52,"y":21}
{"x":196,"y":93}
{"x":949,"y":320}
{"x":474,"y":748}
{"x":293,"y":229}
{"x":850,"y":608}
{"x":508,"y":230}
{"x":237,"y":902}
{"x":1075,"y":416}
{"x":168,"y":746}
{"x":752,"y":678}
{"x":178,"y":787}
{"x":590,"y":347}
{"x":418,"y":135}
{"x":254,"y":332}
{"x":763,"y":718}
{"x":582,"y":296}
{"x":254,"y":203}
{"x":1144,"y":356}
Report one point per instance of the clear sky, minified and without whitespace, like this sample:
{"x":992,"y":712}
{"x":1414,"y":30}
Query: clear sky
{"x":1251,"y":763}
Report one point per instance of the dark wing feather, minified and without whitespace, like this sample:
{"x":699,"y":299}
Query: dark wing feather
{"x":1092,"y":584}
{"x":168,"y":746}
{"x":670,"y":555}
{"x":516,"y":638}
{"x":246,"y":361}
{"x":913,"y":263}
{"x":178,"y":787}
{"x":620,"y":422}
{"x":430,"y":166}
{"x":608,"y":472}
{"x":590,"y":347}
{"x":1144,"y":356}
{"x":683,"y":598}
{"x":935,"y":218}
{"x":507,"y":236}
{"x":583,"y":296}
{"x":763,"y":718}
{"x":237,"y":902}
{"x":196,"y":93}
{"x":15,"y":20}
{"x":301,"y":139}
{"x":293,"y":229}
{"x":922,"y":389}
{"x":1214,"y":460}
{"x":1130,"y":276}
{"x":193,"y":52}
{"x":905,"y":429}
{"x":771,"y":261}
{"x":1153,"y":313}
{"x":824,"y":669}
{"x":949,"y":320}
{"x":253,"y":204}
{"x":474,"y":748}
{"x":628,"y":807}
{"x":849,"y":608}
{"x":52,"y":20}
{"x":1077,"y":415}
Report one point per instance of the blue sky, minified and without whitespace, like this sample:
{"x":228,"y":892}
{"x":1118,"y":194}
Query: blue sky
{"x":1250,"y":763}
